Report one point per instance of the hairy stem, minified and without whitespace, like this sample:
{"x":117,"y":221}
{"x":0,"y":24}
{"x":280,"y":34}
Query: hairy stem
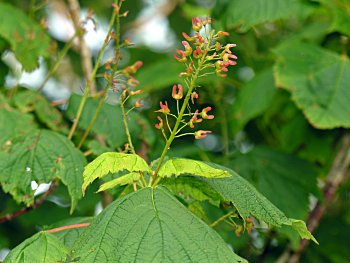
{"x":92,"y":77}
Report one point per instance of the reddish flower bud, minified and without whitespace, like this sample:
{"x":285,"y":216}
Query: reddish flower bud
{"x":205,"y":115}
{"x":138,"y":103}
{"x":206,"y":21}
{"x":127,"y":42}
{"x":218,"y":46}
{"x":201,"y":134}
{"x":194,"y":95}
{"x":222,"y":33}
{"x":194,"y":119}
{"x":177,"y":95}
{"x":188,"y":38}
{"x":228,"y":46}
{"x":188,"y":49}
{"x":164,"y":108}
{"x":133,"y":82}
{"x":196,"y":23}
{"x":181,"y":59}
{"x":132,"y":93}
{"x":197,"y":53}
{"x":160,"y":124}
{"x":116,"y":8}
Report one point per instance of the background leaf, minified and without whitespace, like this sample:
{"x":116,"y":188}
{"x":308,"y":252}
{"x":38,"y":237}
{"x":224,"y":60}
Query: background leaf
{"x":41,"y":156}
{"x":28,"y":41}
{"x":319,"y":82}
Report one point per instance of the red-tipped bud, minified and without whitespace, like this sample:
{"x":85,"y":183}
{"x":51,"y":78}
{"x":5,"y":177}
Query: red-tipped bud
{"x":177,"y":95}
{"x":188,"y":49}
{"x":206,"y":21}
{"x":218,"y":46}
{"x":222,"y":33}
{"x":205,"y":115}
{"x":181,"y":59}
{"x":138,"y":103}
{"x":136,"y":92}
{"x":160,"y":124}
{"x":197,"y":53}
{"x":201,"y":134}
{"x":194,"y":119}
{"x":228,"y":46}
{"x":188,"y":38}
{"x":197,"y":23}
{"x":194,"y":95}
{"x":127,"y":42}
{"x":164,"y":108}
{"x":133,"y":69}
{"x":133,"y":82}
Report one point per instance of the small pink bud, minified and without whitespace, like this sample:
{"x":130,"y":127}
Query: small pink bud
{"x":196,"y":23}
{"x":164,"y":108}
{"x":222,"y":33}
{"x":177,"y":95}
{"x":181,"y":59}
{"x":128,"y":43}
{"x":194,"y":95}
{"x":228,"y":46}
{"x":197,"y":53}
{"x":138,"y":103}
{"x":160,"y":124}
{"x":188,"y":38}
{"x":125,"y":14}
{"x":194,"y":119}
{"x":188,"y":49}
{"x":133,"y":82}
{"x":201,"y":134}
{"x":205,"y":115}
{"x":136,"y":92}
{"x":116,"y":8}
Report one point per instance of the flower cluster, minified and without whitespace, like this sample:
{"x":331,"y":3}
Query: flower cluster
{"x":202,"y":54}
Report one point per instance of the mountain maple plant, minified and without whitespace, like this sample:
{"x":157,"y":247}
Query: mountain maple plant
{"x":150,"y":222}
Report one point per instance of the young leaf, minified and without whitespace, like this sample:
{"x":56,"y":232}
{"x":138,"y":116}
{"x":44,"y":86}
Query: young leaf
{"x":319,"y":82}
{"x":150,"y":225}
{"x":248,"y":201}
{"x":42,"y":247}
{"x":113,"y":162}
{"x":27,"y":39}
{"x":41,"y":156}
{"x":180,"y":166}
{"x":123,"y":180}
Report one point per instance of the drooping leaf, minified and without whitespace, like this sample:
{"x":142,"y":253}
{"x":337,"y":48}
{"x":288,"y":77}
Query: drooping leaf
{"x":113,"y":162}
{"x":195,"y":189}
{"x":123,"y":180}
{"x":319,"y":82}
{"x":252,"y":12}
{"x":109,"y":123}
{"x":248,"y":201}
{"x":150,"y":225}
{"x":41,"y":156}
{"x":253,"y":98}
{"x":14,"y":123}
{"x":42,"y":247}
{"x":272,"y":170}
{"x":32,"y":101}
{"x":27,"y":39}
{"x":181,"y":166}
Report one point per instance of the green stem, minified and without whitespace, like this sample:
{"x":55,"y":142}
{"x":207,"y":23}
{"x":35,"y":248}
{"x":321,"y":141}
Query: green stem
{"x":214,"y":224}
{"x":126,"y":126}
{"x":92,"y":77}
{"x":192,"y":85}
{"x":60,"y":56}
{"x":94,"y":118}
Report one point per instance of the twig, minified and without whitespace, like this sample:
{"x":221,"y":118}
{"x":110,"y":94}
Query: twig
{"x":218,"y":221}
{"x":336,"y":176}
{"x":58,"y":229}
{"x":84,"y":50}
{"x":37,"y":203}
